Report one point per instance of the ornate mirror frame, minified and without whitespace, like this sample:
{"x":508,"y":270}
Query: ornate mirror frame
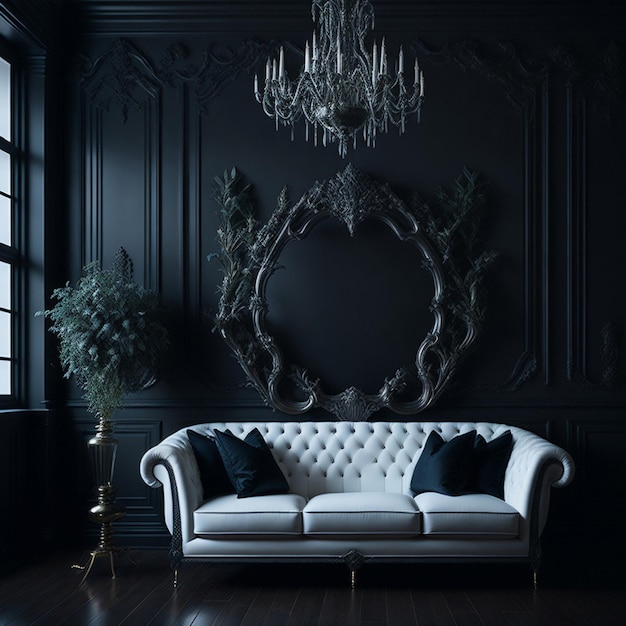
{"x":250,"y":254}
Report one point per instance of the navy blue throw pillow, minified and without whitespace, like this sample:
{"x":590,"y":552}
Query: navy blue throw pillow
{"x":489,"y":462}
{"x":213,"y":475}
{"x":444,"y":466}
{"x":250,"y":464}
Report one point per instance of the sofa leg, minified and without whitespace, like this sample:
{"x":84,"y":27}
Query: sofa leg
{"x":535,"y":558}
{"x":353,"y":559}
{"x":175,"y":578}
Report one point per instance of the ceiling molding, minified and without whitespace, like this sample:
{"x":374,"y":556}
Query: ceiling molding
{"x":19,"y":31}
{"x":246,"y":15}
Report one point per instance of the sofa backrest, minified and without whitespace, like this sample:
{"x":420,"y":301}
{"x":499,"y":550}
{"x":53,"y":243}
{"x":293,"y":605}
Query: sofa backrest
{"x":322,"y":457}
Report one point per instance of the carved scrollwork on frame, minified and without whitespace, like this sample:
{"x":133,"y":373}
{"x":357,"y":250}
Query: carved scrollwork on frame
{"x":122,"y":77}
{"x":250,"y":254}
{"x":221,"y":66}
{"x":499,"y":61}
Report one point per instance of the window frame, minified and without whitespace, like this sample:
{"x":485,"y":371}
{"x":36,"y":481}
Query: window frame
{"x":14,"y":253}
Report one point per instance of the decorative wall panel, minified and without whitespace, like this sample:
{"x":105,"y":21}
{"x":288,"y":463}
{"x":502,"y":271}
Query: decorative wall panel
{"x":22,"y":479}
{"x":525,"y":87}
{"x":121,"y":117}
{"x":598,"y":447}
{"x":595,"y":222}
{"x":11,"y":488}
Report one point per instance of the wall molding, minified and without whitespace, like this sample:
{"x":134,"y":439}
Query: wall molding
{"x":525,"y":85}
{"x":602,"y":75}
{"x":121,"y":79}
{"x":597,"y":491}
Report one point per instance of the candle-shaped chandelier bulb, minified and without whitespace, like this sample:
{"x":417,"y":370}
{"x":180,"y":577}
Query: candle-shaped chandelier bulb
{"x":344,"y":88}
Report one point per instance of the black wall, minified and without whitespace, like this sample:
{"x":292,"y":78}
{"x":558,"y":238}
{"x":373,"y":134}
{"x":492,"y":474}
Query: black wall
{"x":157,"y":100}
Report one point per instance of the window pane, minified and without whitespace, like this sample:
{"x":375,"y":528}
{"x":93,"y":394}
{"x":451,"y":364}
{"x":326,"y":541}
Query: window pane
{"x":5,"y":378}
{"x":5,"y":220}
{"x":5,"y":172}
{"x":6,"y":232}
{"x":5,"y":334}
{"x":5,"y":100}
{"x":5,"y":285}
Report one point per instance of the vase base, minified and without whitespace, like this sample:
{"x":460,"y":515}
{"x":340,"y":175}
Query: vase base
{"x":97,"y":553}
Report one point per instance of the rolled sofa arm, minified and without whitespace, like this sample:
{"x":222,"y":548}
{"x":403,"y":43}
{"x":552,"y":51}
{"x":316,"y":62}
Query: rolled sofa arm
{"x":535,"y":466}
{"x":172,"y":464}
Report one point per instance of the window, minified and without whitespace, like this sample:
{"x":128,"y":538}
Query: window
{"x":8,"y":247}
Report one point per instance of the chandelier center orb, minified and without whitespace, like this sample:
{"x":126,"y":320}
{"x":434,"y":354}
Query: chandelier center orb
{"x":346,"y":87}
{"x":341,"y":118}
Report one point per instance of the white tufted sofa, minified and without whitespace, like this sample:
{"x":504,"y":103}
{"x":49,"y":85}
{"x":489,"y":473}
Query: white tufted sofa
{"x":350,"y":498}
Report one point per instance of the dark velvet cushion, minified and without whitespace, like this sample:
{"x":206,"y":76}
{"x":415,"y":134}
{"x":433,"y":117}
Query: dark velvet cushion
{"x":444,"y":466}
{"x":213,"y":475}
{"x":250,"y":464}
{"x":489,"y":462}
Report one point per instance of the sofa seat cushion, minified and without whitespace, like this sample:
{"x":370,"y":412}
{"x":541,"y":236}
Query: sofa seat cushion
{"x":362,"y":513}
{"x":475,"y":514}
{"x":279,"y":514}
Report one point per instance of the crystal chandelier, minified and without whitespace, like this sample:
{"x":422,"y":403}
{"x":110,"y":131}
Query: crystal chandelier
{"x":344,"y":88}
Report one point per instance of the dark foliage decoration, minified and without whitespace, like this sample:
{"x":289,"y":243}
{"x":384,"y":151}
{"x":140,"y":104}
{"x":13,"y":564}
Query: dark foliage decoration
{"x":610,"y":354}
{"x":446,"y":233}
{"x":110,"y":332}
{"x":453,"y":225}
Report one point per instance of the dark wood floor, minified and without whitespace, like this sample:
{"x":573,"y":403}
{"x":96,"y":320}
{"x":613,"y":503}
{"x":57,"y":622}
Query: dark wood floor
{"x":47,"y":592}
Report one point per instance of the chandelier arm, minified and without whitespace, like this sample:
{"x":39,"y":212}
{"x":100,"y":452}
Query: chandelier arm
{"x":290,"y":107}
{"x":306,"y":85}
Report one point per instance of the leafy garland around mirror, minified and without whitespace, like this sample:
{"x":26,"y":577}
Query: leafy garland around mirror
{"x":446,"y":235}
